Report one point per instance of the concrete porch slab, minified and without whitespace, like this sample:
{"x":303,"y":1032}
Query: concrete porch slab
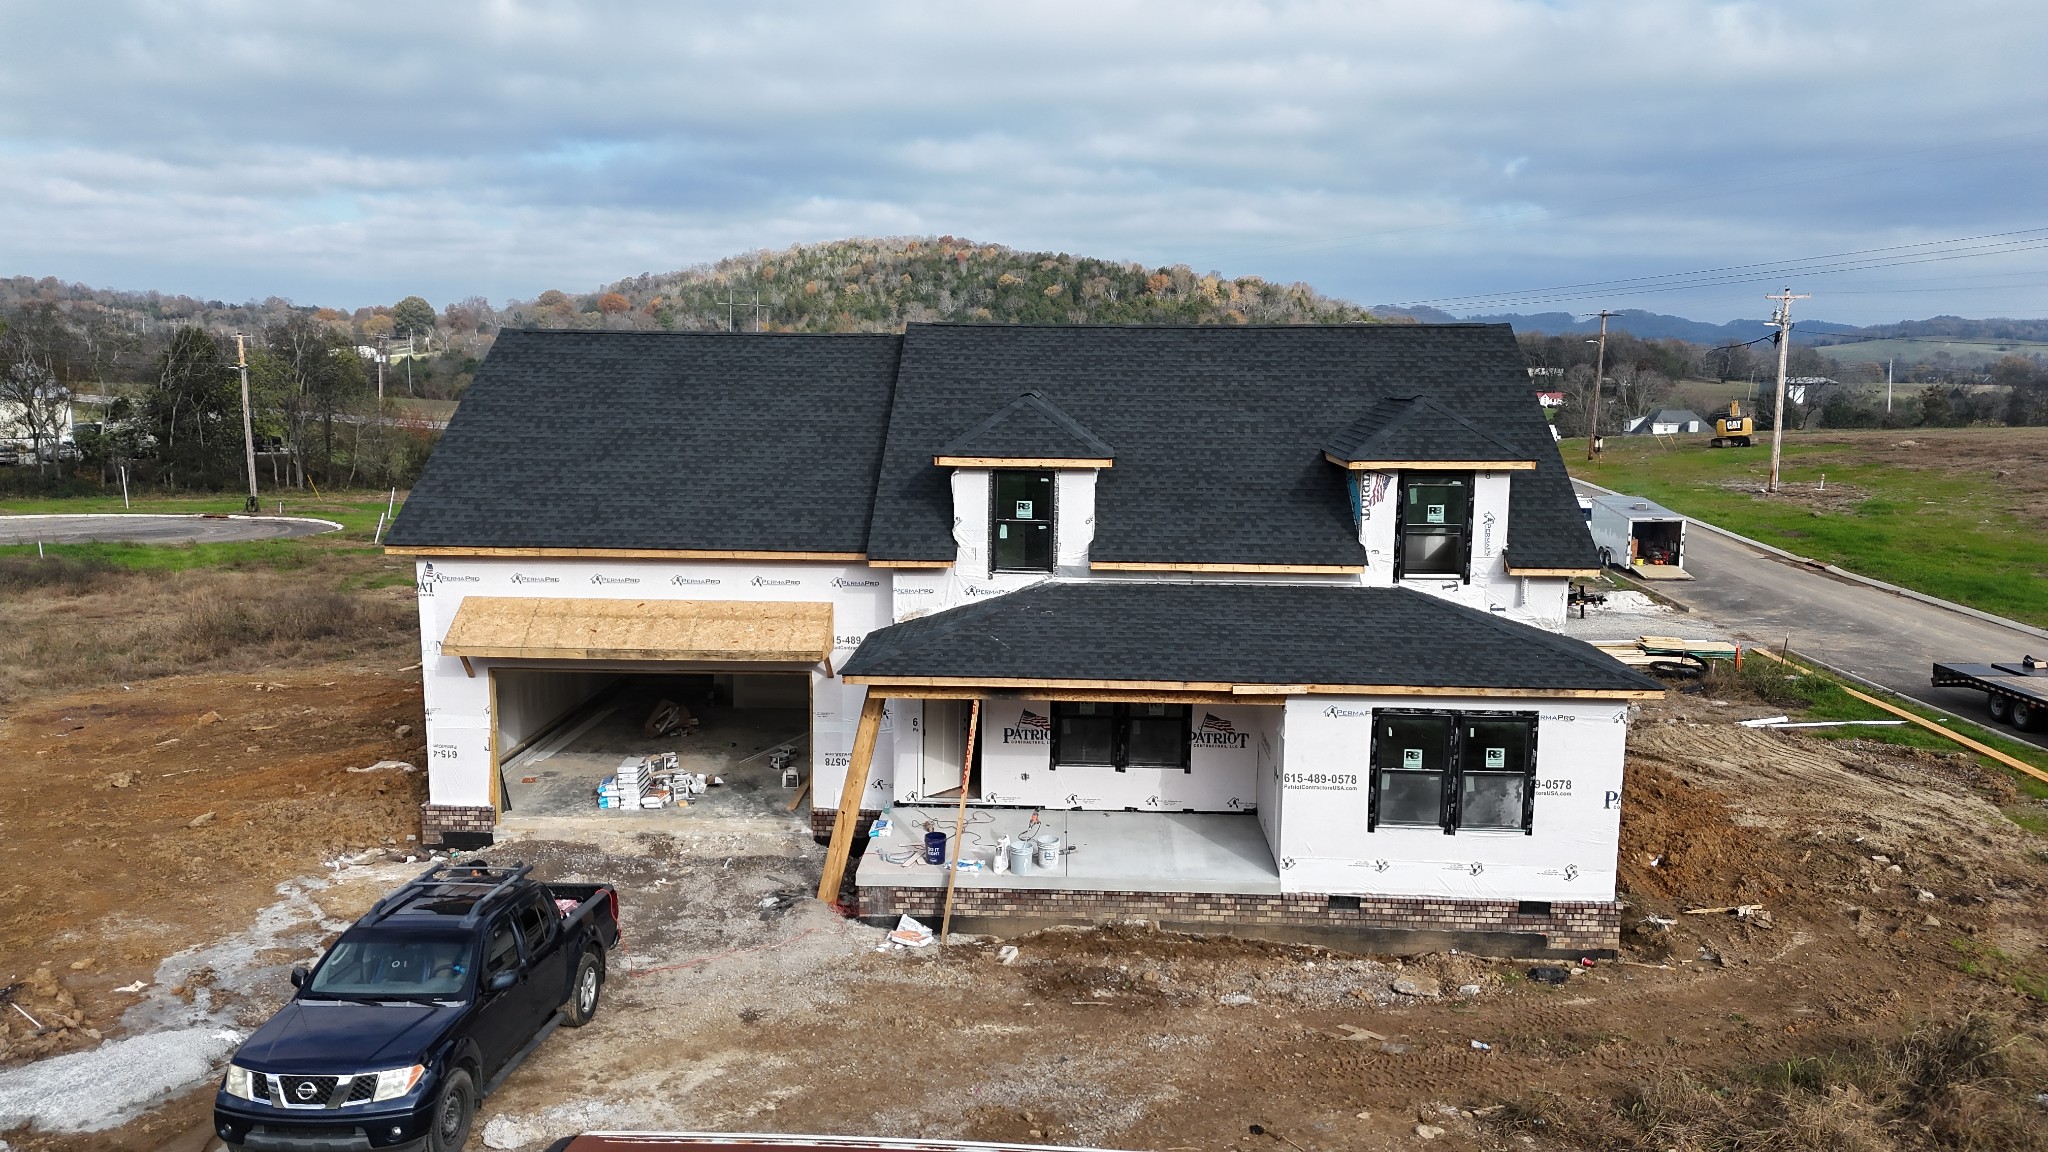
{"x":1184,"y":852}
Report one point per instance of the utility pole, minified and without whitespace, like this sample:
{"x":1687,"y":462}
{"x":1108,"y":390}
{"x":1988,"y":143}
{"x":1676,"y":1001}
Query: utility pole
{"x":1783,"y":319}
{"x":732,"y":304}
{"x":1599,"y":370}
{"x":248,"y":424}
{"x":1887,"y":387}
{"x":381,"y":353}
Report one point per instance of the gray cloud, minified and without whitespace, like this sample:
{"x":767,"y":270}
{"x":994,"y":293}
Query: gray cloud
{"x":1384,"y":151}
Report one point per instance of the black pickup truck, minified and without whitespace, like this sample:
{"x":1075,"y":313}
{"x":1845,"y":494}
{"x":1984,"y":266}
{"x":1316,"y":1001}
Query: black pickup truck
{"x":418,"y":1011}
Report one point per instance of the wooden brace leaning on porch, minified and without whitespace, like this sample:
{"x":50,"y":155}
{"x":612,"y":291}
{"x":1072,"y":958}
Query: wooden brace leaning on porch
{"x":850,"y":794}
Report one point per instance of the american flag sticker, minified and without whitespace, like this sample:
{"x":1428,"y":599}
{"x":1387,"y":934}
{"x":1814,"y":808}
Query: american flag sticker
{"x":1032,"y":719}
{"x":1210,"y":723}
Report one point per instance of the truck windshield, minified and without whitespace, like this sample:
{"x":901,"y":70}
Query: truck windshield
{"x":374,"y":965}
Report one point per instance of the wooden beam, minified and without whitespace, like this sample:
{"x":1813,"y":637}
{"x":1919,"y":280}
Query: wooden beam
{"x":1434,"y":465}
{"x":850,"y":794}
{"x":1252,"y":569}
{"x":1255,"y":690}
{"x":1021,"y":462}
{"x":1514,"y":571}
{"x":1973,"y":745}
{"x":468,"y":669}
{"x":966,"y":688}
{"x":1075,"y":695}
{"x":910,"y":563}
{"x":802,"y":791}
{"x":620,"y":554}
{"x":960,"y":820}
{"x":998,"y":683}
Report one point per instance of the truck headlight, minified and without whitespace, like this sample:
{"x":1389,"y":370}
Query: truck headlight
{"x":245,"y":1084}
{"x":395,"y":1082}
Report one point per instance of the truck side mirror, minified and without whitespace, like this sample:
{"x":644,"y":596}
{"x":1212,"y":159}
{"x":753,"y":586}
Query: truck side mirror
{"x":501,"y":981}
{"x":301,"y":976}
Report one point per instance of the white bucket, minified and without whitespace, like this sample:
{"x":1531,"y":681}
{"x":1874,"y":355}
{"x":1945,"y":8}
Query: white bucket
{"x":1020,"y":856}
{"x":1048,"y":851}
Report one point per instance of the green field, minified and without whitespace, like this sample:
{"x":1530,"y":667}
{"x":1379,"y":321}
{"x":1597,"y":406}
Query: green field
{"x":1915,"y":350}
{"x":356,"y":512}
{"x":1956,"y":513}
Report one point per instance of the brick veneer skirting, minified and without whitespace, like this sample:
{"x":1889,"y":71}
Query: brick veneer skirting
{"x":1570,"y":928}
{"x":822,"y":820}
{"x":456,"y":826}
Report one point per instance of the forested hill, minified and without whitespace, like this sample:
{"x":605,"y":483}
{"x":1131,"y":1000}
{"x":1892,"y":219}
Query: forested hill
{"x":880,"y":284}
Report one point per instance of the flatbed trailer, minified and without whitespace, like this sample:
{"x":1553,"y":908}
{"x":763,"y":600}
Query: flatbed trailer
{"x":2016,"y":693}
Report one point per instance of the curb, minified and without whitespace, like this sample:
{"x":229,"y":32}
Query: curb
{"x":1844,"y":574}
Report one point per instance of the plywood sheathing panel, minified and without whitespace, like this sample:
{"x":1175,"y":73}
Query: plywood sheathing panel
{"x":550,"y":628}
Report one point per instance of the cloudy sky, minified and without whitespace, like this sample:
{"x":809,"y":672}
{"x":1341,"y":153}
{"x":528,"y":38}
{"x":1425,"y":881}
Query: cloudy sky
{"x":1481,"y":154}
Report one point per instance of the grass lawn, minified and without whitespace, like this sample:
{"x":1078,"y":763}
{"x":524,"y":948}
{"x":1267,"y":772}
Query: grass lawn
{"x":1957,"y":513}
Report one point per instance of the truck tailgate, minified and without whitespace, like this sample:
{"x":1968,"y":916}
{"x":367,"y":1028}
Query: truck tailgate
{"x":597,"y":903}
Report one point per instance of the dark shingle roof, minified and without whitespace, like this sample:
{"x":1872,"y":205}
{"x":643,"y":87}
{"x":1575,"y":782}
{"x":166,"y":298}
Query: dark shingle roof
{"x":1219,"y":432}
{"x":824,"y":443}
{"x":1029,"y":427}
{"x":1417,"y":428}
{"x":661,"y":440}
{"x":1236,"y":634}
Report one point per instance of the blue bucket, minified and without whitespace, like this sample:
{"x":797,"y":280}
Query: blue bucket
{"x":935,"y":847}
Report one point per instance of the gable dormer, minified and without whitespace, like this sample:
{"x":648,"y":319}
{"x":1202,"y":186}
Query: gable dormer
{"x":1429,"y":491}
{"x":1024,"y":490}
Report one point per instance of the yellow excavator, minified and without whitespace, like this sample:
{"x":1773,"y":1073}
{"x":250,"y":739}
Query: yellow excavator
{"x":1732,"y":428}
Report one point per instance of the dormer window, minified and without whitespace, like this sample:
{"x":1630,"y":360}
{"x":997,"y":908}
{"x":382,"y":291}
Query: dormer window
{"x":1434,"y":530}
{"x":1021,"y":520}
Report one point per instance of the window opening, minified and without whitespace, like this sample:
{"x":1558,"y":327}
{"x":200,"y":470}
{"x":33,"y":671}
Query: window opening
{"x":1435,"y":529}
{"x":1119,"y":736}
{"x":1454,"y":771}
{"x":1021,"y":521}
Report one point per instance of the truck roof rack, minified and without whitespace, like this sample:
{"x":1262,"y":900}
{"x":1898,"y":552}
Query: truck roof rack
{"x":450,"y":878}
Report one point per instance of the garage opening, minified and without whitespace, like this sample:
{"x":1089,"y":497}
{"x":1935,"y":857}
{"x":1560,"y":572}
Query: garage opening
{"x":562,"y":732}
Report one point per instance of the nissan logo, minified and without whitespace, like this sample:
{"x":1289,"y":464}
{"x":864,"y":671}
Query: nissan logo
{"x":306,"y":1090}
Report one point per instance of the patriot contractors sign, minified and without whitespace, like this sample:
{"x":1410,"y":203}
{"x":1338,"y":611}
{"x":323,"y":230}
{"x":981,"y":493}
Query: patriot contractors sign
{"x":1031,"y":728}
{"x":1216,"y":732}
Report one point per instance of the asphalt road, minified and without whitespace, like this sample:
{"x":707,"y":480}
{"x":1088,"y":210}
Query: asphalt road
{"x":1878,"y":635}
{"x":153,"y":529}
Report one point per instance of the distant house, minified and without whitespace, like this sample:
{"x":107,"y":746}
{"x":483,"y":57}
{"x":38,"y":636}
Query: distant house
{"x":1550,"y":399}
{"x":1666,"y":422}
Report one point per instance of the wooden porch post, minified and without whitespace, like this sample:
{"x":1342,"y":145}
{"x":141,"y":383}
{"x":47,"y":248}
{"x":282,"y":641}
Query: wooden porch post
{"x":850,"y":794}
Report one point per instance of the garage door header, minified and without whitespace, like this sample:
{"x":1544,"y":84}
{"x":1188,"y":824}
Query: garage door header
{"x":549,"y":628}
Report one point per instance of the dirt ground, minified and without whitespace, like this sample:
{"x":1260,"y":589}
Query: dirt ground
{"x":1892,"y":897}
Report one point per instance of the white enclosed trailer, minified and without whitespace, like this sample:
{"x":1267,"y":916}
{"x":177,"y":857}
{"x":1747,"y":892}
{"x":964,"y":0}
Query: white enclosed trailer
{"x":1638,"y":535}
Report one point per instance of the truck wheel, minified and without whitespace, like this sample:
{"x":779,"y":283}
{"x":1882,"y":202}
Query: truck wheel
{"x":2001,"y":707}
{"x":454,"y":1112}
{"x":583,"y":993}
{"x":2026,"y":716}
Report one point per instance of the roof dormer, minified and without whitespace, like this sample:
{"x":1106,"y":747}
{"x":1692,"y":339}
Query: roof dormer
{"x":1024,"y":490}
{"x":1028,"y":432}
{"x":1415,"y":432}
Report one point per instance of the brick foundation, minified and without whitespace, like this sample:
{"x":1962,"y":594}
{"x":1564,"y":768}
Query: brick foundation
{"x":822,"y":820}
{"x":456,"y":826}
{"x":1390,"y":923}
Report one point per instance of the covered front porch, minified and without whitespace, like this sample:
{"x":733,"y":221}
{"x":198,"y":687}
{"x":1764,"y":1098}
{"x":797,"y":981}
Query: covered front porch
{"x":1153,"y":852}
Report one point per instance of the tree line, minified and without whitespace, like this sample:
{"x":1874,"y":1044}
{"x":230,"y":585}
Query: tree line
{"x":1643,"y":376}
{"x":170,"y":406}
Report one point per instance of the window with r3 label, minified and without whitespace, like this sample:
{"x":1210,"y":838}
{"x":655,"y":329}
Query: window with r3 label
{"x":1454,"y":771}
{"x":1434,"y":536}
{"x":1020,"y":524}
